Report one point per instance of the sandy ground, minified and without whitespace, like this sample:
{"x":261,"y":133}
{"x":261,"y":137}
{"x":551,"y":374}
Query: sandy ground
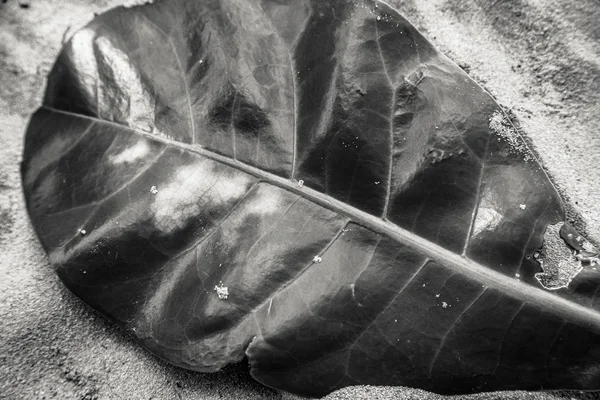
{"x":539,"y":58}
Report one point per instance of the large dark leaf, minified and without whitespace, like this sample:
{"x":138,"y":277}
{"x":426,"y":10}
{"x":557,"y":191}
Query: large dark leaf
{"x":313,"y":185}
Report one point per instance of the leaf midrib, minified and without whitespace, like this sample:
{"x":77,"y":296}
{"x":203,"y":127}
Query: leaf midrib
{"x":487,"y":276}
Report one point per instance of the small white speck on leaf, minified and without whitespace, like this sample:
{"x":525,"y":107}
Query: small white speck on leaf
{"x":395,"y":320}
{"x":153,"y":190}
{"x":377,"y":182}
{"x":518,"y":275}
{"x":444,"y":304}
{"x":222,"y":291}
{"x":317,"y":259}
{"x":379,"y":18}
{"x":523,"y":206}
{"x":437,"y":295}
{"x":83,"y":232}
{"x":300,"y":183}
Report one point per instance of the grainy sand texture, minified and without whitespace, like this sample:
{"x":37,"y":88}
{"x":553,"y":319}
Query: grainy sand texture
{"x":538,"y":58}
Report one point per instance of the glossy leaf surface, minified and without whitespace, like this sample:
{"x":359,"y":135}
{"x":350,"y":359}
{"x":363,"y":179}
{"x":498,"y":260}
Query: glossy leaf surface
{"x":309,"y":184}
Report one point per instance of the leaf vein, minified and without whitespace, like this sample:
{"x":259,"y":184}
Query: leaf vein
{"x":182,"y":76}
{"x":451,"y":328}
{"x":487,"y":276}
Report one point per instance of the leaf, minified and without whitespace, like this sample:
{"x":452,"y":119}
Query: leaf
{"x":309,"y":184}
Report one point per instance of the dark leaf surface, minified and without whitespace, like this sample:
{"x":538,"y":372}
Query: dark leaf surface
{"x":312,"y":185}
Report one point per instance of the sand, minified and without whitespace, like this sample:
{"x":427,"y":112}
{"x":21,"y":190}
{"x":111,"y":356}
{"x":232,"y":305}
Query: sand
{"x":539,"y":58}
